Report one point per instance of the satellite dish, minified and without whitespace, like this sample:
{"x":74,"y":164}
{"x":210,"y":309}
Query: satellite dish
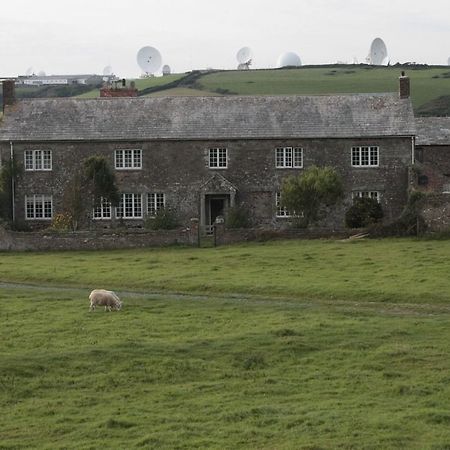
{"x":149,"y":60}
{"x":29,"y":72}
{"x":243,"y":67}
{"x":166,"y":70}
{"x":289,"y":59}
{"x":41,"y":73}
{"x":244,"y":55}
{"x":378,"y":52}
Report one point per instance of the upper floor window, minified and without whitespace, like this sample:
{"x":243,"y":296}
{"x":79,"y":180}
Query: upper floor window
{"x":218,"y":158}
{"x":128,"y":159}
{"x":103,"y":210}
{"x":130,"y":206}
{"x":38,"y":160}
{"x":365,"y":156}
{"x":156,"y":201}
{"x":38,"y":207}
{"x":289,"y":157}
{"x":367,"y":194}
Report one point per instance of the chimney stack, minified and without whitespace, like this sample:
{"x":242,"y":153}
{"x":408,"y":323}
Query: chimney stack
{"x":9,"y":93}
{"x":404,"y":87}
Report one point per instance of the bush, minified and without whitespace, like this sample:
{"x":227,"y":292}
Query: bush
{"x":62,"y":222}
{"x":164,"y":219}
{"x":237,"y":217}
{"x":365,"y":211}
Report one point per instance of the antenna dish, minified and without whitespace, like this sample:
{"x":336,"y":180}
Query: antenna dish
{"x":107,"y":71}
{"x":149,"y":60}
{"x":166,"y":70}
{"x":378,"y":53}
{"x":29,"y":72}
{"x":289,"y":59}
{"x":244,"y":55}
{"x":41,"y":73}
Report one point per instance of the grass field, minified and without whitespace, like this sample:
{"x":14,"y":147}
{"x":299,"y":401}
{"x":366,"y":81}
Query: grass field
{"x":257,"y":346}
{"x":326,"y":80}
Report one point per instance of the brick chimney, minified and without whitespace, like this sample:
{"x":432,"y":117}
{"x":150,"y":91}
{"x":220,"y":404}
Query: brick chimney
{"x":116,"y":91}
{"x":9,"y":93}
{"x":404,"y":86}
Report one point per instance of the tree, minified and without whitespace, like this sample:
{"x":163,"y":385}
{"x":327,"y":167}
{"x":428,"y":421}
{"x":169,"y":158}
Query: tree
{"x":308,"y":194}
{"x":365,"y":211}
{"x":102,"y":180}
{"x":74,"y":206}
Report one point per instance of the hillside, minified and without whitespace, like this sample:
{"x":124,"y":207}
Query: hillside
{"x":430,"y":85}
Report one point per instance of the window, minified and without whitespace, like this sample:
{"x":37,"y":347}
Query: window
{"x":155,"y":202}
{"x":218,"y":158}
{"x":38,"y":160}
{"x":103,"y":210}
{"x":128,"y":159}
{"x":365,"y":156}
{"x":38,"y":207}
{"x":130,"y":206}
{"x":367,"y":194}
{"x":288,"y":157}
{"x":281,"y":210}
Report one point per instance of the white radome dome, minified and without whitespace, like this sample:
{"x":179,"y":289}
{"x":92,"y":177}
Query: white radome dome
{"x":289,"y":59}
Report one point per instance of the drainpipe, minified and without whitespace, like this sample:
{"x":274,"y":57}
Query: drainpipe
{"x":413,"y":147}
{"x":13,"y":200}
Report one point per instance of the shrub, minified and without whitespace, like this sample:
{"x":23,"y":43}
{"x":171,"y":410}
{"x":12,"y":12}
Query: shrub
{"x":365,"y":211}
{"x":165,"y":219}
{"x":62,"y":222}
{"x":237,"y":217}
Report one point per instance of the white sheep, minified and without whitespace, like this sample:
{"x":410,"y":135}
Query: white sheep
{"x":108,"y":299}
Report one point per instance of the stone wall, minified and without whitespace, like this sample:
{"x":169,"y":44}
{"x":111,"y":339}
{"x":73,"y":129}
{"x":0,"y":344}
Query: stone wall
{"x":436,"y":212}
{"x":180,"y":169}
{"x":93,"y":240}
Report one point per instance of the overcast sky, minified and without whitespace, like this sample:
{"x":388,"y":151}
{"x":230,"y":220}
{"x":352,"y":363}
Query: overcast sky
{"x":61,"y":37}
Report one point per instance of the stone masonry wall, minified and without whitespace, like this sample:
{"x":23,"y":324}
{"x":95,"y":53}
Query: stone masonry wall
{"x":179,"y":168}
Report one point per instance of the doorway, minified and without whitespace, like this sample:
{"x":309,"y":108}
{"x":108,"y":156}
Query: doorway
{"x":215,"y":205}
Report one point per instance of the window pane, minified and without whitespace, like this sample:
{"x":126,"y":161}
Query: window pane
{"x":298,"y":157}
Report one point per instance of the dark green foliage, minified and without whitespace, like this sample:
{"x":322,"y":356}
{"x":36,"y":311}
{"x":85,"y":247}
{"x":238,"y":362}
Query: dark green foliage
{"x":165,"y":219}
{"x":365,"y":211}
{"x":10,"y":170}
{"x":237,"y":217}
{"x":310,"y":193}
{"x":74,"y":206}
{"x":410,"y":222}
{"x":102,"y":180}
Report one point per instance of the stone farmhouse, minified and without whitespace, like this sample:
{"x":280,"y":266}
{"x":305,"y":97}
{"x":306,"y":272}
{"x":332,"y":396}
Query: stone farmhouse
{"x":200,"y":156}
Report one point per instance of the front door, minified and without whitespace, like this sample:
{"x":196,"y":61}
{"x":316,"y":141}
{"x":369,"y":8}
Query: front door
{"x":215,"y":206}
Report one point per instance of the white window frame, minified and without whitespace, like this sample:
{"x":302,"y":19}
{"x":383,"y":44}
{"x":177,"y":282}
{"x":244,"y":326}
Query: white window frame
{"x":38,"y":207}
{"x":218,"y":158}
{"x":365,"y":156}
{"x":103,"y":211}
{"x":281,"y":211}
{"x":37,"y":160}
{"x":130,"y":206}
{"x":156,"y":201}
{"x":128,"y":159}
{"x":289,"y":157}
{"x":367,"y":194}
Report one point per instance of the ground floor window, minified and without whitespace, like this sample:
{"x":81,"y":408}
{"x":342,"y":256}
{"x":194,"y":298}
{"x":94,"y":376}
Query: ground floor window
{"x":103,"y":210}
{"x":130,"y":206}
{"x":39,"y":207}
{"x":281,"y":210}
{"x":367,"y":194}
{"x":156,"y":201}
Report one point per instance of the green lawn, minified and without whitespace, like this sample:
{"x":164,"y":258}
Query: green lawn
{"x":291,"y":368}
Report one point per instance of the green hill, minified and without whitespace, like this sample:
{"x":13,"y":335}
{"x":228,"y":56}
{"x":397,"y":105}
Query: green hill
{"x":428,"y":84}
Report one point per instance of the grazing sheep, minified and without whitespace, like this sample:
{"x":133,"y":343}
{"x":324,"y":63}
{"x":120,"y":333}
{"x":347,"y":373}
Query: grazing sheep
{"x":108,"y":299}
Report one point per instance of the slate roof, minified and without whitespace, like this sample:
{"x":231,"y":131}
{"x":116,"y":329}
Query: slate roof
{"x":233,"y":117}
{"x":433,"y":131}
